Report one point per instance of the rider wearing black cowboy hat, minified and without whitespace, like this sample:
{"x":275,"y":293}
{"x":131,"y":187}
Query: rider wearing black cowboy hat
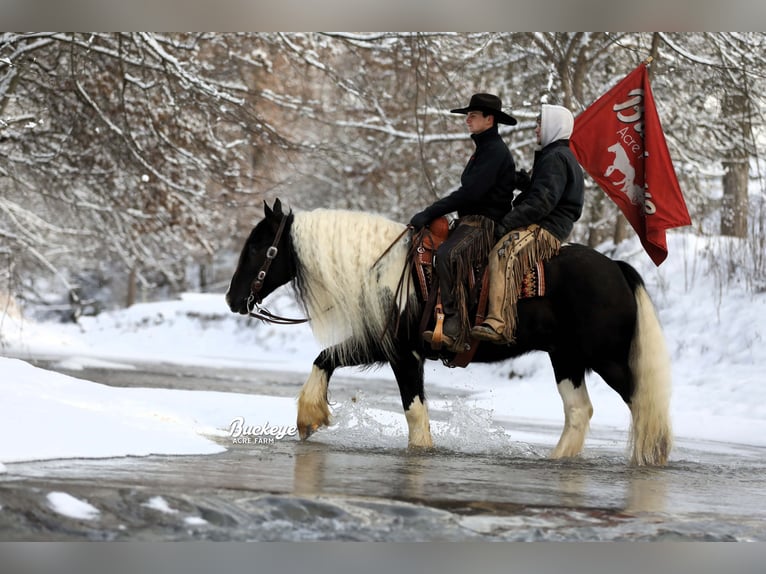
{"x":482,"y":199}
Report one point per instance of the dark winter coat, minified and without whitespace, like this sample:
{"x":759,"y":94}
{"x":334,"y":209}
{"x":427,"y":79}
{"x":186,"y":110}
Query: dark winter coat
{"x":555,"y":196}
{"x":486,"y":185}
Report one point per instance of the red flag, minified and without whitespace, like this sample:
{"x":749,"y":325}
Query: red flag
{"x":619,"y":141}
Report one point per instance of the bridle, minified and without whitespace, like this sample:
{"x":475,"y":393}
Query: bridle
{"x":254,"y":309}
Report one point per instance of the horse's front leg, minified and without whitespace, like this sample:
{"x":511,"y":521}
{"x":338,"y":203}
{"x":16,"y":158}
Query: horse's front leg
{"x":313,"y":407}
{"x":408,"y":370}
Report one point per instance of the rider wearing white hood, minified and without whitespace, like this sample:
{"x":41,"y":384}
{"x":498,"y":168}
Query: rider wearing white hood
{"x":542,"y":217}
{"x":556,"y":124}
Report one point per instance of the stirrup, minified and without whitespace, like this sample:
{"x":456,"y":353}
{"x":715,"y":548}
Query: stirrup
{"x":436,"y":338}
{"x":448,"y":343}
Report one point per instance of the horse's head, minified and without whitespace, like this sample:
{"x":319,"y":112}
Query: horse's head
{"x":265,"y":262}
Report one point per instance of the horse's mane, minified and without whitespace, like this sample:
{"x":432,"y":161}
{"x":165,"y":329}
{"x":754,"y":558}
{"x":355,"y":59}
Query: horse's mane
{"x":348,"y":296}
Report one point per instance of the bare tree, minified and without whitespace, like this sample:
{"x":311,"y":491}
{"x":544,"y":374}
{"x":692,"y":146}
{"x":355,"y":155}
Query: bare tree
{"x":123,"y":150}
{"x":724,"y":77}
{"x":145,"y":153}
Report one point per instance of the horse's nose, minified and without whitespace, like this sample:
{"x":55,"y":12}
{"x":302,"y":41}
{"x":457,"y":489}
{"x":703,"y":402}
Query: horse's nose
{"x":228,"y":301}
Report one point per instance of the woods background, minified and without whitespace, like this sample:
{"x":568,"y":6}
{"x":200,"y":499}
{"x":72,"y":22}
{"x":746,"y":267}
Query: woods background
{"x":132,"y":166}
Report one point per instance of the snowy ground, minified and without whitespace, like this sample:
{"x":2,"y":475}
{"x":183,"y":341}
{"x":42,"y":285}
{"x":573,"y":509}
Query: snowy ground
{"x":715,"y":337}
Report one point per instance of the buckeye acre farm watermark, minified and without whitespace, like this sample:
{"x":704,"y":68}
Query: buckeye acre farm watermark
{"x":243,"y":433}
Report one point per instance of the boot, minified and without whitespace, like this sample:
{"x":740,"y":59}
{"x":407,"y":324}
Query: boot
{"x":451,"y":325}
{"x":493,"y":326}
{"x":485,"y":332}
{"x":450,"y":332}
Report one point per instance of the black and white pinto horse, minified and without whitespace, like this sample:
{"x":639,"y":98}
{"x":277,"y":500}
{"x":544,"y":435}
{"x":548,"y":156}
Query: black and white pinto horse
{"x":595,"y":316}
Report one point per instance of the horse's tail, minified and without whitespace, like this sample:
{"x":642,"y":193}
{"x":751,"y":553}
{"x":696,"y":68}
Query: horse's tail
{"x":650,"y":434}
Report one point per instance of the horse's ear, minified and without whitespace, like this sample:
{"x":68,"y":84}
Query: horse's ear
{"x":275,"y":212}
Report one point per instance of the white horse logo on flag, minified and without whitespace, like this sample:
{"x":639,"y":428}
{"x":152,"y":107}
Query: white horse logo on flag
{"x":623,"y":165}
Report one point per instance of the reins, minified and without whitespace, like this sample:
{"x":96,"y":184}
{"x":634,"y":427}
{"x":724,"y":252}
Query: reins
{"x":254,"y":309}
{"x":394,"y":316}
{"x":394,"y":242}
{"x":267,"y":316}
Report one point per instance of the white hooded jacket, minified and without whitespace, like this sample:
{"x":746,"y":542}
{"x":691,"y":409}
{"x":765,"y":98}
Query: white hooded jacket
{"x":557,"y":123}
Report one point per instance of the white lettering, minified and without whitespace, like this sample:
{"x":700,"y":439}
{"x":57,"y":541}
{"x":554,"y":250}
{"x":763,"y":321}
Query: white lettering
{"x":238,"y":429}
{"x":235,"y":429}
{"x":649,"y":207}
{"x":634,"y":105}
{"x":631,"y":111}
{"x":632,"y":143}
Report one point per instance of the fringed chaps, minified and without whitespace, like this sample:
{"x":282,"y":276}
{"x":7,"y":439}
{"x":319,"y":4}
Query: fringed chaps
{"x":510,"y":260}
{"x":476,"y":240}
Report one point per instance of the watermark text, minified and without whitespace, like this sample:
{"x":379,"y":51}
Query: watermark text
{"x":242,"y":433}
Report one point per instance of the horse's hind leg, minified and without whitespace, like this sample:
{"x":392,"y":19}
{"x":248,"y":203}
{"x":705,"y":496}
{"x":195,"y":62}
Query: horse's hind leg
{"x":570,"y":382}
{"x":408,"y":370}
{"x":644,"y":386}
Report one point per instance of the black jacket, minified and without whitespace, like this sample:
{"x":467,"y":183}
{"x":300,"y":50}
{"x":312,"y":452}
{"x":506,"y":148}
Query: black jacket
{"x":486,"y":186}
{"x":555,"y":196}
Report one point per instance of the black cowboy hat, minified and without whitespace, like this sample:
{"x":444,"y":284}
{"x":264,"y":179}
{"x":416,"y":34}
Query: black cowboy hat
{"x":490,"y":104}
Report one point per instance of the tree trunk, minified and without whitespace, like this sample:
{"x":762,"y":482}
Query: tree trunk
{"x":203,"y":282}
{"x":597,"y":231}
{"x":130,"y":299}
{"x":734,"y":206}
{"x":620,"y":229}
{"x":735,"y":199}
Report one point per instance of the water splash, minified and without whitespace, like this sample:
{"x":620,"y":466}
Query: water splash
{"x":359,"y":424}
{"x":474,"y":430}
{"x":468,"y":428}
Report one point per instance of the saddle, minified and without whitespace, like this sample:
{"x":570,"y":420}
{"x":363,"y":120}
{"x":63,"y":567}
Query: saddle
{"x":424,"y":246}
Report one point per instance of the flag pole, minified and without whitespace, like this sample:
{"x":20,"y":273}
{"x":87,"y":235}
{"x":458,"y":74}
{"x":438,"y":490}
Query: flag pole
{"x":649,"y":60}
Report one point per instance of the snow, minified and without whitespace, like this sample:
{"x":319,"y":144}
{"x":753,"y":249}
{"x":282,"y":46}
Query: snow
{"x":714,"y":331}
{"x":68,"y":505}
{"x":195,"y":521}
{"x":160,"y":504}
{"x":57,"y":416}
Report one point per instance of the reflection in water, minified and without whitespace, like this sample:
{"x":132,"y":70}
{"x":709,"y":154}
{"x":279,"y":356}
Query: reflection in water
{"x":633,"y":490}
{"x":647,"y":490}
{"x":572,"y":485}
{"x":415,"y":469}
{"x":320,"y":469}
{"x":309,"y":470}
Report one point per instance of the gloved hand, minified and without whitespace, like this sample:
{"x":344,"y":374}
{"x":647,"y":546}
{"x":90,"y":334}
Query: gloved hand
{"x":523,"y":180}
{"x":420,"y":220}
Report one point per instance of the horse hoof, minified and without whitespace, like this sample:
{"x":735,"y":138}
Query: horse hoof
{"x":307,"y":430}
